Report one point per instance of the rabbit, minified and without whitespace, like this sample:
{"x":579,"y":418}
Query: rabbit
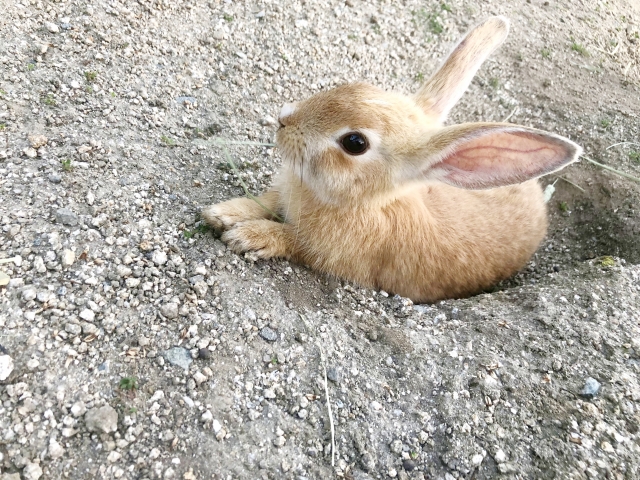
{"x":376,"y":191}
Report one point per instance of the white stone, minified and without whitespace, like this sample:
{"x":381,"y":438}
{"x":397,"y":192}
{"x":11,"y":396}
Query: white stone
{"x":6,"y":366}
{"x":169,"y":310}
{"x":159,"y":257}
{"x":68,"y":257}
{"x":87,"y":315}
{"x":114,"y":456}
{"x":30,"y":152}
{"x":500,"y":456}
{"x":78,"y":409}
{"x":216,"y":426}
{"x":52,"y":27}
{"x":55,"y":449}
{"x":32,"y":471}
{"x":199,"y":377}
{"x":102,"y":420}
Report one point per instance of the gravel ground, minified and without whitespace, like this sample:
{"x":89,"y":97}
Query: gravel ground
{"x":134,"y":345}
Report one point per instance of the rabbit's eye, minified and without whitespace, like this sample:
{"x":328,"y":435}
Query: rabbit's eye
{"x":354,"y":143}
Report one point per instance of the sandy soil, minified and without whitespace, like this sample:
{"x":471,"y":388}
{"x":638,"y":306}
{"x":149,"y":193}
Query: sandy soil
{"x":134,"y":345}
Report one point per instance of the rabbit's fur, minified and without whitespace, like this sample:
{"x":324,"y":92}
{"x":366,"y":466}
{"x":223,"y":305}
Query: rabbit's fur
{"x":427,"y":212}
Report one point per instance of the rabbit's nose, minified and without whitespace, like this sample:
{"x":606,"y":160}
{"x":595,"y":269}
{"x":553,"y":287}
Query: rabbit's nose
{"x":286,"y":111}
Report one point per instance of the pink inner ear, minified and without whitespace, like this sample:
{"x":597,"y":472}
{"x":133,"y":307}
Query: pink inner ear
{"x":500,"y":157}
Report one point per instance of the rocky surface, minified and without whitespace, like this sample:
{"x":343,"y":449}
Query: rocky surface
{"x":134,"y":345}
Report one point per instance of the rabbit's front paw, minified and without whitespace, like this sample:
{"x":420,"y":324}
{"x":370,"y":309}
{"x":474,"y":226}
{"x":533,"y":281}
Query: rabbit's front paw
{"x":266,"y":238}
{"x":223,"y":216}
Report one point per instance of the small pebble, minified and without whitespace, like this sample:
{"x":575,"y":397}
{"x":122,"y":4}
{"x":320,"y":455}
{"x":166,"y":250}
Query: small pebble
{"x":29,"y":294}
{"x":37,"y":141}
{"x":179,"y":356}
{"x":30,"y":152}
{"x":199,"y":378}
{"x":68,"y":257}
{"x":169,"y":310}
{"x":52,"y":27}
{"x":408,"y":464}
{"x":87,"y":315}
{"x":159,"y":257}
{"x":591,"y":388}
{"x":66,"y":217}
{"x":78,"y":409}
{"x":102,"y":420}
{"x":206,"y":416}
{"x":31,"y":471}
{"x":334,"y":374}
{"x":55,"y":449}
{"x":6,"y":366}
{"x":269,"y":334}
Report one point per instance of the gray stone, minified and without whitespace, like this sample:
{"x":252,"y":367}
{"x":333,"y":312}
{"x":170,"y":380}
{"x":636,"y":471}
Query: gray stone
{"x":89,"y":328}
{"x":169,"y":310}
{"x":201,"y":289}
{"x":10,"y":476}
{"x":66,"y":217}
{"x":178,"y":356}
{"x":183,"y":100}
{"x":269,"y":334}
{"x":73,"y":328}
{"x":334,"y":374}
{"x":44,"y":296}
{"x":408,"y":464}
{"x":102,"y":419}
{"x":29,"y":294}
{"x":591,"y":388}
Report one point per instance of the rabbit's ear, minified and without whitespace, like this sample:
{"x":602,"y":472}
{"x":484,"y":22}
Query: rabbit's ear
{"x":487,"y":155}
{"x":443,"y":90}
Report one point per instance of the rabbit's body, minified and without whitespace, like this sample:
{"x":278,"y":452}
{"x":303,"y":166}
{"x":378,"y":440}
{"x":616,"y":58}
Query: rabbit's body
{"x":414,"y":246}
{"x":375,"y":190}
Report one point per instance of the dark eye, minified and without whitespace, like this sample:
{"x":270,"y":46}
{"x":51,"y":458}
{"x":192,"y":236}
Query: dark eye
{"x":354,"y":143}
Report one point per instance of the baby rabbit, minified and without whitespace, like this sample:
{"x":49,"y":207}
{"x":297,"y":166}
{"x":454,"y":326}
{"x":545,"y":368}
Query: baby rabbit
{"x":374,"y":189}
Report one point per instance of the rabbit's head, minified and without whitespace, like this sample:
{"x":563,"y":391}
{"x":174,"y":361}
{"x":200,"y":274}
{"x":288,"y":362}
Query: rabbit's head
{"x":356,"y":141}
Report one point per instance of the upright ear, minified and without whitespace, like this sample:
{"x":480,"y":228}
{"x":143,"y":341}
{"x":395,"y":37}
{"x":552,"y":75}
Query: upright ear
{"x":443,"y":90}
{"x":488,"y":155}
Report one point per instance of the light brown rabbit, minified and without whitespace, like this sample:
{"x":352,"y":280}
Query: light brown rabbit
{"x":374,"y":189}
